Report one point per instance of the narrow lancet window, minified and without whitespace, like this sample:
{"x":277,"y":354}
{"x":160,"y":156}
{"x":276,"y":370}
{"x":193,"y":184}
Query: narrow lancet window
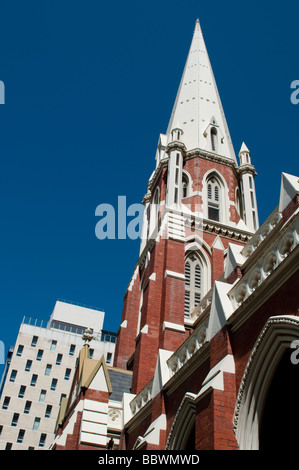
{"x":214,"y":139}
{"x":185,"y":186}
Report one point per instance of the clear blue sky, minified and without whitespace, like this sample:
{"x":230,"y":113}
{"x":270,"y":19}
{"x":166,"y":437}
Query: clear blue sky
{"x":89,"y":87}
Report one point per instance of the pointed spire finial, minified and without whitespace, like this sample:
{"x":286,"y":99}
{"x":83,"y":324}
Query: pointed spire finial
{"x":198,"y":99}
{"x":244,"y":148}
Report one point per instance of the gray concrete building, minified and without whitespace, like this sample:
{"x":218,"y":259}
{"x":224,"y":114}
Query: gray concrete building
{"x":39,"y":372}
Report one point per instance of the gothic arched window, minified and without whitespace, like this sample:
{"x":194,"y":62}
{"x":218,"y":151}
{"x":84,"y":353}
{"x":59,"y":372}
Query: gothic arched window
{"x":185,"y":186}
{"x":239,"y":203}
{"x":214,"y":198}
{"x":156,"y":203}
{"x":154,"y":211}
{"x":193,"y":282}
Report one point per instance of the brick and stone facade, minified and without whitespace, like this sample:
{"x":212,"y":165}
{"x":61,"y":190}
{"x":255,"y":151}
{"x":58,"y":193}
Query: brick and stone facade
{"x":211,"y":309}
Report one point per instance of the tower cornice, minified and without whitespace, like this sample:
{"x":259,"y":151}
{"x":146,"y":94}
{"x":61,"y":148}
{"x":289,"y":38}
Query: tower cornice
{"x":146,"y":197}
{"x":210,"y":156}
{"x":188,"y":155}
{"x":155,"y":175}
{"x":246,"y":168}
{"x":176,"y":145}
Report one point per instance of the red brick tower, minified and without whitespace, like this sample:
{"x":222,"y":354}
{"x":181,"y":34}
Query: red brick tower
{"x":199,"y":199}
{"x":210,"y":319}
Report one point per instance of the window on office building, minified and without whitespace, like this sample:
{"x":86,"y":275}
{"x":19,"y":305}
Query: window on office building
{"x":33,"y":380}
{"x":27,"y":407}
{"x":15,"y":419}
{"x":39,"y":355}
{"x":34,"y":341}
{"x":22,"y":391}
{"x":36,"y":424}
{"x":20,"y":350}
{"x":5,"y":403}
{"x":13,"y":375}
{"x":42,"y":395}
{"x":42,"y":440}
{"x":21,"y":436}
{"x":28,"y":365}
{"x":58,"y":359}
{"x":48,"y":411}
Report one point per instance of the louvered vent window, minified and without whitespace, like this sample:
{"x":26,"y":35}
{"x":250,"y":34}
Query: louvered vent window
{"x":193,"y":283}
{"x":197,"y":299}
{"x":197,"y":277}
{"x":187,"y":274}
{"x":187,"y":303}
{"x":213,"y":190}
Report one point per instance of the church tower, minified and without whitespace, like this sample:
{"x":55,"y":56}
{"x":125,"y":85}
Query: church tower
{"x":199,"y":200}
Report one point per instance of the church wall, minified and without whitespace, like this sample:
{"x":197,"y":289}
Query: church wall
{"x":192,"y":384}
{"x":283,"y":302}
{"x":125,"y":344}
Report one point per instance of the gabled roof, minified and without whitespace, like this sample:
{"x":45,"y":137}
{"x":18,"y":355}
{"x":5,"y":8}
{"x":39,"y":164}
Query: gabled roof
{"x":289,"y":189}
{"x":90,"y":369}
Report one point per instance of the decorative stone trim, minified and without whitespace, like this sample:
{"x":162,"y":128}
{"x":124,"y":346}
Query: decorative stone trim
{"x":176,"y":145}
{"x":264,"y":231}
{"x":225,"y":231}
{"x":202,"y":307}
{"x":147,"y":198}
{"x":211,"y":156}
{"x":176,"y":226}
{"x":273,"y":322}
{"x":188,"y":401}
{"x":286,"y":242}
{"x":187,"y":349}
{"x":143,"y":397}
{"x":246,"y":168}
{"x":156,"y":174}
{"x":174,"y":274}
{"x":114,"y":417}
{"x":173,"y":326}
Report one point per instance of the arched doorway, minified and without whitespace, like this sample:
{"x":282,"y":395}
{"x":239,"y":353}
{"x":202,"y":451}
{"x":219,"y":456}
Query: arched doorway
{"x":266,"y":401}
{"x":280,"y":417}
{"x":182,"y":432}
{"x":190,"y":442}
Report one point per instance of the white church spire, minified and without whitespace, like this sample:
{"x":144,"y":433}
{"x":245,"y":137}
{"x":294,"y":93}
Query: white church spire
{"x":198,"y":107}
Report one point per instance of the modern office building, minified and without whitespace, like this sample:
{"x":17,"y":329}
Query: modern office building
{"x":39,"y":371}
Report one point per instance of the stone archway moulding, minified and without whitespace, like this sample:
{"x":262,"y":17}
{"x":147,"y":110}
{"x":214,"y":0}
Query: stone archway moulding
{"x":277,"y":335}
